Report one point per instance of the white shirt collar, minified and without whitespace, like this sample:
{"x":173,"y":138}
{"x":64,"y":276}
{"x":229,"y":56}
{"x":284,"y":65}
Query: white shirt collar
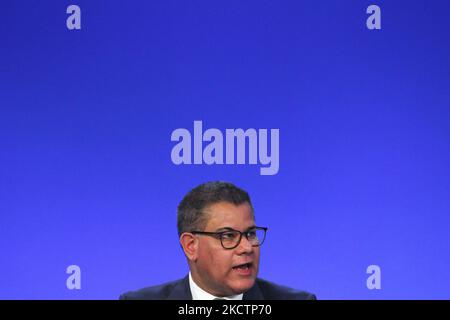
{"x":200,"y":294}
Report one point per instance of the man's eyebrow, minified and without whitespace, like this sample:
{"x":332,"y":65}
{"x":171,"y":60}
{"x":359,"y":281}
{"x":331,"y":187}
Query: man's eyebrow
{"x":225,"y":229}
{"x":232,"y":229}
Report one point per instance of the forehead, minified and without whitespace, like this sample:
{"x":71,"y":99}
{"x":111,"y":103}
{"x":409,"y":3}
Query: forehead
{"x":225,"y":214}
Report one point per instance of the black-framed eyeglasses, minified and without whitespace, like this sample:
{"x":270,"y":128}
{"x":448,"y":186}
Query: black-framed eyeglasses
{"x":231,"y":238}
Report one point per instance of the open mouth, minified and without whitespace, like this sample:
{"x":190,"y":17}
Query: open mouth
{"x":244,"y":266}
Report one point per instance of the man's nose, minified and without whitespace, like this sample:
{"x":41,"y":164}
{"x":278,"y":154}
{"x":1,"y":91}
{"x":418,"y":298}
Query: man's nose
{"x":245,"y":246}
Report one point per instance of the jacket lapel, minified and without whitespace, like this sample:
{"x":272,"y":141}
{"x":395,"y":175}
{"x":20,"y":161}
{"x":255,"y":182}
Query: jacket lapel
{"x":181,"y":291}
{"x":254,"y":293}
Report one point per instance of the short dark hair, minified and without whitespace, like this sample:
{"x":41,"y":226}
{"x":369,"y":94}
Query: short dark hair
{"x":191,"y":215}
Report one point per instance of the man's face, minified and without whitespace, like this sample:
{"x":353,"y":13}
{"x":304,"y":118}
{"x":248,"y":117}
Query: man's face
{"x":215,"y":269}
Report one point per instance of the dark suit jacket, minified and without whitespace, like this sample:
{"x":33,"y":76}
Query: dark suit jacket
{"x":180,"y":290}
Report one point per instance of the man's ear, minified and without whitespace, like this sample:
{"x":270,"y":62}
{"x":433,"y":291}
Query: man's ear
{"x":190,"y":244}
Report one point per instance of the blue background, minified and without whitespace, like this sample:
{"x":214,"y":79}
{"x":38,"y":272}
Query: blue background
{"x":86,"y":116}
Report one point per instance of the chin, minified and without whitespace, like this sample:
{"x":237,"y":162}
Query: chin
{"x":242,"y":285}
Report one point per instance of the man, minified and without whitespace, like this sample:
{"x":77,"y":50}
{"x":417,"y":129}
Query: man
{"x":218,"y":234}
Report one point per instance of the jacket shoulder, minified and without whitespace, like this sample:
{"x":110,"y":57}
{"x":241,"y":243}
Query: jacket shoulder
{"x":159,"y":292}
{"x":273,"y":291}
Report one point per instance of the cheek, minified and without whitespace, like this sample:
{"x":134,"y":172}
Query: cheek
{"x":257,"y":254}
{"x":220,"y":262}
{"x":216,"y":260}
